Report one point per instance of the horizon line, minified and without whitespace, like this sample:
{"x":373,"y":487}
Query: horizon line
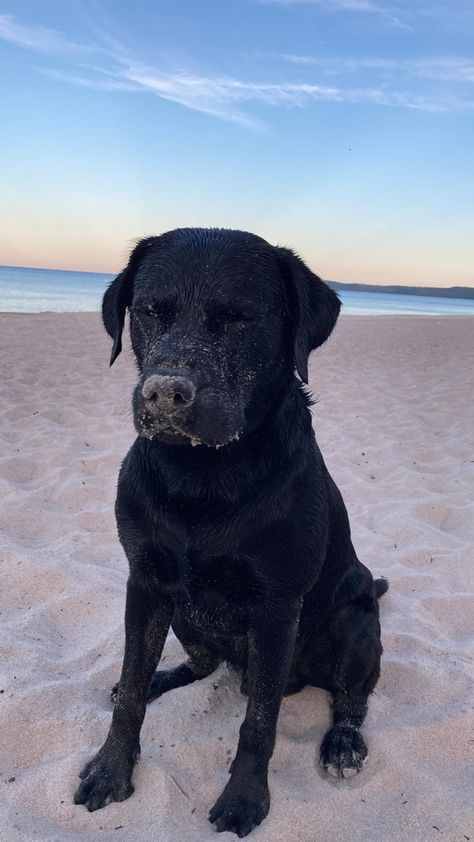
{"x":114,"y":273}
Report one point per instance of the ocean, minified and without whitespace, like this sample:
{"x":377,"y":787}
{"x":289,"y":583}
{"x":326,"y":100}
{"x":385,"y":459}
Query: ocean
{"x":58,"y":291}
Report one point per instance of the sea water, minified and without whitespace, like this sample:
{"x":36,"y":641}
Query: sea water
{"x":59,"y":291}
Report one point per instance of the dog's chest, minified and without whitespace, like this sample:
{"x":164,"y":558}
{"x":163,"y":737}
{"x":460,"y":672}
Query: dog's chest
{"x":213,"y":595}
{"x":202,"y":560}
{"x":200,"y":546}
{"x":213,"y":612}
{"x":212,"y":592}
{"x":231,"y":576}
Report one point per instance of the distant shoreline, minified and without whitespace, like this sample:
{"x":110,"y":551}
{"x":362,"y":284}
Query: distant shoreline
{"x":435,"y":292}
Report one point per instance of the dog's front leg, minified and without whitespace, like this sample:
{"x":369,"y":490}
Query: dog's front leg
{"x":108,"y":776}
{"x":245,"y":800}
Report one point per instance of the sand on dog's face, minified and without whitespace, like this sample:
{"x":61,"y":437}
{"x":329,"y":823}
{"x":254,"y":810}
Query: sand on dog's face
{"x":394,"y":422}
{"x":210,"y":307}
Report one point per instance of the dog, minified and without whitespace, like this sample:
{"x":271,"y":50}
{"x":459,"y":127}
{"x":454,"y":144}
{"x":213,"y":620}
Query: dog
{"x":235,"y":533}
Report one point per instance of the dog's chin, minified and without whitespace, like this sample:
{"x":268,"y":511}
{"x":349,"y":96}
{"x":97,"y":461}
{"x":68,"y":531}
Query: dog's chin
{"x":187,"y":438}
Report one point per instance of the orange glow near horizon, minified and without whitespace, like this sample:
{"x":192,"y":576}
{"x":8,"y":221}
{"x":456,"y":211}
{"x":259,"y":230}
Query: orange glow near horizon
{"x":97,"y":237}
{"x":348,"y":266}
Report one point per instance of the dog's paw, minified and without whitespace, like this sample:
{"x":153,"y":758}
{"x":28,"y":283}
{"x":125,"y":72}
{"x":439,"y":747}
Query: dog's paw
{"x":343,"y":751}
{"x":241,"y":807}
{"x":105,"y":779}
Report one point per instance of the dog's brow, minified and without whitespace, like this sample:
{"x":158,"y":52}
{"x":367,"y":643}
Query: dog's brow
{"x":153,"y":300}
{"x":233,"y":302}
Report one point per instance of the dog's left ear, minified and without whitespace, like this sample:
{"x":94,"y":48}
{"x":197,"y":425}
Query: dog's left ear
{"x":314,"y":307}
{"x":118,"y":296}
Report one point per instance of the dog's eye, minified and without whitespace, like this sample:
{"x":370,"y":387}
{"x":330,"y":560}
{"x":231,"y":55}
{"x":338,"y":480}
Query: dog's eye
{"x":236,"y":320}
{"x":224,"y":320}
{"x":147,"y":314}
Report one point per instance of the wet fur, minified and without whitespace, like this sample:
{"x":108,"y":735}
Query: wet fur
{"x":244,"y":549}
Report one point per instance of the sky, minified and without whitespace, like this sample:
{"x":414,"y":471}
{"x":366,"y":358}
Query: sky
{"x":341,"y":128}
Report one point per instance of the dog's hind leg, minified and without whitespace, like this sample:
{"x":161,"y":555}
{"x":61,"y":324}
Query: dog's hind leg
{"x":191,"y":670}
{"x":201,"y":663}
{"x":355,"y":633}
{"x":202,"y":660}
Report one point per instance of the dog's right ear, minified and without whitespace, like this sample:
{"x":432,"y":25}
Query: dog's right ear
{"x":118,"y":296}
{"x":314,"y":307}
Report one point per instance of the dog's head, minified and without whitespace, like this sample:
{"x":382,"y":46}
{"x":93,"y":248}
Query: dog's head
{"x":219,"y":320}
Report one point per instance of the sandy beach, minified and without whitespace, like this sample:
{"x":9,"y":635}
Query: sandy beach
{"x":395,"y":422}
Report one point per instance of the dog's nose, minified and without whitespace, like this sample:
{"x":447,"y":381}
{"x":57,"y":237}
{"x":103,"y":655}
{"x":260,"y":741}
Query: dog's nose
{"x":168,"y":391}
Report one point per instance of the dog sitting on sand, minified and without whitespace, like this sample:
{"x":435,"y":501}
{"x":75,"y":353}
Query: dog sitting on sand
{"x":235,"y":533}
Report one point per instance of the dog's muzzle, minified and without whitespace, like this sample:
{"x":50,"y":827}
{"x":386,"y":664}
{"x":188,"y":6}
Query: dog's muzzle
{"x":170,"y":407}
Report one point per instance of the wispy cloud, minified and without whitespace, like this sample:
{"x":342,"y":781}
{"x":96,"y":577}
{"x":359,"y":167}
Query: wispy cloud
{"x":364,"y":6}
{"x":96,"y":84}
{"x":401,"y":14}
{"x":445,"y":69}
{"x":442,"y":68}
{"x":218,"y":96}
{"x":39,"y":38}
{"x":108,"y":66}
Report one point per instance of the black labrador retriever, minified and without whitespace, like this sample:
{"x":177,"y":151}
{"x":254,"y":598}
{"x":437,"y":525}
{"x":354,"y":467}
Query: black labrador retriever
{"x":236,"y":535}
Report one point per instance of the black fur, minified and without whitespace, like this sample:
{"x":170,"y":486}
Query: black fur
{"x":235,"y":533}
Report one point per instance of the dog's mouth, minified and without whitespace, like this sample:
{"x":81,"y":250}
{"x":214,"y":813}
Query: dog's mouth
{"x":173,"y":431}
{"x":176,"y":436}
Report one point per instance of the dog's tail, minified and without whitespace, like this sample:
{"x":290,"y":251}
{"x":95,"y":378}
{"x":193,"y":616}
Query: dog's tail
{"x":381,"y":587}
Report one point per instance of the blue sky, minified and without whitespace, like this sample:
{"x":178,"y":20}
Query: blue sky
{"x":342,"y":128}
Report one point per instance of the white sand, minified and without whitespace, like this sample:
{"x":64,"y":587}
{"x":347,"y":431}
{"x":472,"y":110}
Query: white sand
{"x":395,"y":423}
